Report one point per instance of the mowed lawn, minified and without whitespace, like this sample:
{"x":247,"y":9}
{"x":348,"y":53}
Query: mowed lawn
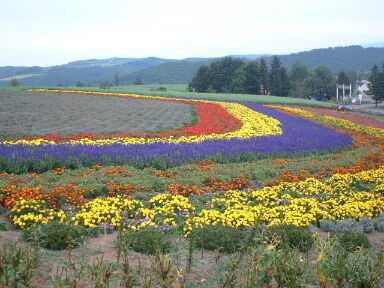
{"x":39,"y":114}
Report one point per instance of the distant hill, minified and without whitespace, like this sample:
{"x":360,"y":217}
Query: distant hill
{"x":153,"y":70}
{"x":102,"y":62}
{"x":172,"y":73}
{"x":251,"y":56}
{"x":8,"y":71}
{"x":337,"y":59}
{"x":90,"y":71}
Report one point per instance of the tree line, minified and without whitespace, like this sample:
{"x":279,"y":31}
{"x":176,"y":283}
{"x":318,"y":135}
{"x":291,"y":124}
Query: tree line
{"x":376,"y":85}
{"x":233,"y":75}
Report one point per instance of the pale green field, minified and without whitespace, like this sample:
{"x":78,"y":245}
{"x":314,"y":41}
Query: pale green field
{"x":22,"y":76}
{"x":180,"y":90}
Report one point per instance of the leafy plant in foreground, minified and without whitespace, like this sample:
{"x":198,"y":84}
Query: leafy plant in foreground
{"x":55,"y":236}
{"x":148,"y":241}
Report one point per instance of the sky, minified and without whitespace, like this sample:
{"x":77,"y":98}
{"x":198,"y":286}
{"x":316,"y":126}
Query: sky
{"x":54,"y":32}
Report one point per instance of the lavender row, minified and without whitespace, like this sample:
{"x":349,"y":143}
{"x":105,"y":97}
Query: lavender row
{"x":300,"y":135}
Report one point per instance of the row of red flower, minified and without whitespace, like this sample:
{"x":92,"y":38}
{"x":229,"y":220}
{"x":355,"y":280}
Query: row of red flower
{"x":213,"y":119}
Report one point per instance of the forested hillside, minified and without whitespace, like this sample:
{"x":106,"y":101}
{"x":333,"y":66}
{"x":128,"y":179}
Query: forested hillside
{"x":158,"y":70}
{"x":337,"y":59}
{"x":174,"y":73}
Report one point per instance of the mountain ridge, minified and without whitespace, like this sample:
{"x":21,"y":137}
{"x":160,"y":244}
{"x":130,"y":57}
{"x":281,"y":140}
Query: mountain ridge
{"x":152,"y":70}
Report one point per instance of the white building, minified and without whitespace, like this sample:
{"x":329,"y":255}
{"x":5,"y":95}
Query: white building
{"x":362,"y":88}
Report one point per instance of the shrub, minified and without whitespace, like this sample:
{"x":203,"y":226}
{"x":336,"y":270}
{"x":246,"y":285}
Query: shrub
{"x":97,"y":231}
{"x":55,"y":236}
{"x":16,"y":265}
{"x":221,"y":238}
{"x":149,"y":240}
{"x":338,"y":267}
{"x":287,"y":268}
{"x":352,"y":239}
{"x":380,"y":226}
{"x":290,"y":236}
{"x":3,"y":225}
{"x":365,"y":224}
{"x":327,"y":225}
{"x":365,"y":268}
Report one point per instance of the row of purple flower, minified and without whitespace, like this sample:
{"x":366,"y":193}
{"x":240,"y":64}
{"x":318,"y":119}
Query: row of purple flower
{"x":300,"y":135}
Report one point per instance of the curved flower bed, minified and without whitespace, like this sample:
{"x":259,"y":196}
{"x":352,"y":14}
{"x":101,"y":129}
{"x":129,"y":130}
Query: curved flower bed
{"x":299,"y":135}
{"x":302,"y":203}
{"x":217,"y":120}
{"x":213,"y":118}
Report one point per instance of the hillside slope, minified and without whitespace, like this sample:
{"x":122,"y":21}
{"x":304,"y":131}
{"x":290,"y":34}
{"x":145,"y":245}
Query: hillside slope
{"x":157,"y":70}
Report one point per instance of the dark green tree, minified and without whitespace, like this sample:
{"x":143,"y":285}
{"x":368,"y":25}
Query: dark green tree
{"x":284,"y":84}
{"x":376,"y":85}
{"x":222,"y":73}
{"x":320,"y":84}
{"x":342,"y":78}
{"x":138,"y":81}
{"x":201,"y":81}
{"x":116,"y":79}
{"x":353,"y":76}
{"x":80,"y":84}
{"x":278,"y":80}
{"x":14,"y":82}
{"x":247,"y":79}
{"x":105,"y":84}
{"x":264,"y":77}
{"x":297,"y":76}
{"x":274,"y":78}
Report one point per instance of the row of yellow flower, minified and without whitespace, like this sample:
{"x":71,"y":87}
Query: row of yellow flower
{"x":333,"y":121}
{"x":302,"y":203}
{"x":254,"y":124}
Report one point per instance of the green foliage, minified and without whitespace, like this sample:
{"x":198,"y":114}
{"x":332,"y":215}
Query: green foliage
{"x":200,"y":82}
{"x":264,"y":77}
{"x":365,"y":268}
{"x":168,"y":71}
{"x":320,"y":83}
{"x":222,"y":72}
{"x":138,"y":81}
{"x":221,"y":238}
{"x":376,"y":85}
{"x":352,"y":239}
{"x":105,"y":84}
{"x":116,"y":79}
{"x":148,"y":241}
{"x":3,"y":226}
{"x":288,"y":268}
{"x":342,"y":78}
{"x":379,"y":226}
{"x":81,"y":84}
{"x":55,"y":236}
{"x":247,"y":79}
{"x":14,"y":82}
{"x":337,"y":59}
{"x":290,"y":236}
{"x":156,"y":70}
{"x":278,"y":80}
{"x":340,"y":267}
{"x":16,"y":265}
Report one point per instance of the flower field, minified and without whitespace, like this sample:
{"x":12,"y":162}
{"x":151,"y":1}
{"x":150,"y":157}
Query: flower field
{"x":234,"y":165}
{"x":224,"y":131}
